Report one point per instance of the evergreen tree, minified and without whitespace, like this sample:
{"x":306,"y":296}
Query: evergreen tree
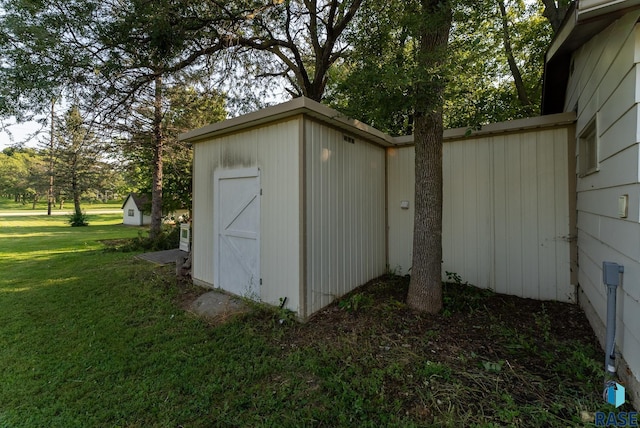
{"x":187,"y":109}
{"x":78,"y":167}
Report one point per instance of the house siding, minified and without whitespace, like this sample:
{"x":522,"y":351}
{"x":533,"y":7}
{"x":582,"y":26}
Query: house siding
{"x":345,"y":213}
{"x":506,"y":212}
{"x":274,"y":149}
{"x":604,"y":86}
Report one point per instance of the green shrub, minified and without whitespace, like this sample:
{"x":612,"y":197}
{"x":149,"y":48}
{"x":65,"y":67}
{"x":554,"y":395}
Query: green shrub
{"x":78,"y":219}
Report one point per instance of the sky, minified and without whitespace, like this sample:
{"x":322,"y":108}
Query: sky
{"x":21,"y":133}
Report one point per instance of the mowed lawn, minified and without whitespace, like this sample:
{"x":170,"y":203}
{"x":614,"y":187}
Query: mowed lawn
{"x":94,"y":338}
{"x":88,"y":337}
{"x":91,"y":338}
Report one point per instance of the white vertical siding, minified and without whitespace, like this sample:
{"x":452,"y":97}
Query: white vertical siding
{"x":274,"y":149}
{"x":280,"y":250}
{"x":345,"y":213}
{"x":506,"y":220}
{"x":604,"y":85}
{"x":401,"y":176}
{"x":204,"y":155}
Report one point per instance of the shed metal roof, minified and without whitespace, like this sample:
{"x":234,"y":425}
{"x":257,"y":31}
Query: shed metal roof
{"x":285,"y":110}
{"x":323,"y":113}
{"x":509,"y":126}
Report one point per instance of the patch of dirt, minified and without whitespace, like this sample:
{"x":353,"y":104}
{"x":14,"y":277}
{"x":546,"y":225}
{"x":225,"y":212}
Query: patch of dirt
{"x":486,"y":358}
{"x":472,"y":318}
{"x":480,"y":344}
{"x":473,"y":321}
{"x":188,"y":293}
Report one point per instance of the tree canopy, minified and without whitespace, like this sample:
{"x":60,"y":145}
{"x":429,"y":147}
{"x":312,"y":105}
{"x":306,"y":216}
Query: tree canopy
{"x":22,"y":172}
{"x":78,"y":166}
{"x":375,"y":83}
{"x":306,"y":37}
{"x":113,"y":58}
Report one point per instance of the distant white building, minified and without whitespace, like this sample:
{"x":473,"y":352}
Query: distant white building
{"x":133,"y":210}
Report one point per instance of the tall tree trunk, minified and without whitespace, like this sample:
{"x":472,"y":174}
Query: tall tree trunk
{"x":76,"y":199}
{"x":425,"y":287}
{"x":515,"y":71}
{"x":51,"y":140}
{"x":158,"y":148}
{"x":555,"y":12}
{"x":75,"y":188}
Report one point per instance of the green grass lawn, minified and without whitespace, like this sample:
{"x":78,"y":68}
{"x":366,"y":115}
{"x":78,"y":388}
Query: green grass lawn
{"x":94,"y":338}
{"x":90,"y":338}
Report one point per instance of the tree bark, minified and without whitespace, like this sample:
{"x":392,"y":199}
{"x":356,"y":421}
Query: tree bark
{"x":77,"y":208}
{"x":523,"y":97}
{"x":425,"y":287}
{"x":555,"y":12}
{"x":158,"y":148}
{"x":51,"y":159}
{"x":75,"y":187}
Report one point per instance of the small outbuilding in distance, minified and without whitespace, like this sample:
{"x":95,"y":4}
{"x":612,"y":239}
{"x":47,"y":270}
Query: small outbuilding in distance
{"x":289,"y":205}
{"x":133,"y":213}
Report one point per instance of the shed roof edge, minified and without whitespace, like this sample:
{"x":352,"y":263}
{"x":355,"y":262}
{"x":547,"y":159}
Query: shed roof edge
{"x":530,"y":123}
{"x":285,"y":110}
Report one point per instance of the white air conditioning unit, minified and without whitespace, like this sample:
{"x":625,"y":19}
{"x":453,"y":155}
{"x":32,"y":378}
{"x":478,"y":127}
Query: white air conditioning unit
{"x":185,"y":237}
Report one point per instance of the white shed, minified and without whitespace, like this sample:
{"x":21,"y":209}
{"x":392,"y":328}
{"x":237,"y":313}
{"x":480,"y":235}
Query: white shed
{"x":289,"y":205}
{"x":133,"y":210}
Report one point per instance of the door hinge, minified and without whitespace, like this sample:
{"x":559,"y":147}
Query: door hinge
{"x":260,"y":281}
{"x":260,"y":192}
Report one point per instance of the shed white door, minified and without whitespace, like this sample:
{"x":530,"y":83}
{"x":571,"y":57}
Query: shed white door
{"x":237,"y":231}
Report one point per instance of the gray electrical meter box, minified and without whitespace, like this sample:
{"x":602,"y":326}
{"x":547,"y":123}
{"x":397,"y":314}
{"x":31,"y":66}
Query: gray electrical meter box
{"x":611,"y":273}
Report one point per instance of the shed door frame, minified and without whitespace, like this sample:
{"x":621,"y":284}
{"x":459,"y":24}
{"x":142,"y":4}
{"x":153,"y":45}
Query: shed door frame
{"x":218,"y":227}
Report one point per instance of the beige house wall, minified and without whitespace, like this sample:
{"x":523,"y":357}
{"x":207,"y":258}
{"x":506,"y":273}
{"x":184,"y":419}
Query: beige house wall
{"x":604,"y":88}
